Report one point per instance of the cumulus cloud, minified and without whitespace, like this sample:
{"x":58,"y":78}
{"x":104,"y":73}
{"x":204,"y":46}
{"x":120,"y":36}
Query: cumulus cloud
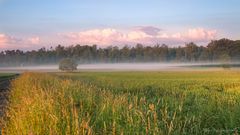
{"x":96,"y":36}
{"x":3,"y":39}
{"x":34,"y":40}
{"x":201,"y":34}
{"x":6,"y":40}
{"x":145,"y":35}
{"x":11,"y":42}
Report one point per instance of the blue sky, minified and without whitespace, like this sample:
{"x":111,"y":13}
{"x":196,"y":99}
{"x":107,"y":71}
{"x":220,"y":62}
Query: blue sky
{"x":45,"y":19}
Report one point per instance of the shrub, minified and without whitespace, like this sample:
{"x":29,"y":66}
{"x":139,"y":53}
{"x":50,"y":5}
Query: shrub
{"x":68,"y":65}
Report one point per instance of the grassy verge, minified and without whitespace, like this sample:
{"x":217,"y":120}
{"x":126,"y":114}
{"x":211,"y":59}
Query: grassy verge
{"x":4,"y":83}
{"x":125,"y":103}
{"x":4,"y":76}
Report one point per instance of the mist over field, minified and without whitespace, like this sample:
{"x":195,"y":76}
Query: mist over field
{"x":125,"y":67}
{"x":103,"y":66}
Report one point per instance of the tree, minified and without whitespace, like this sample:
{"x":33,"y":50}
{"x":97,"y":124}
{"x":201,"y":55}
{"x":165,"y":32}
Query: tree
{"x":164,"y":53}
{"x":68,"y":64}
{"x":204,"y":55}
{"x":219,"y":48}
{"x":225,"y":59}
{"x":191,"y":52}
{"x":216,"y":51}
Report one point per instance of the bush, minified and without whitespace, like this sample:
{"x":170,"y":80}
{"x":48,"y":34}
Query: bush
{"x":68,"y":65}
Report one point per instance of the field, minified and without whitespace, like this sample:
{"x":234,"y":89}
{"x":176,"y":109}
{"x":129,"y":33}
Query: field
{"x":167,"y":102}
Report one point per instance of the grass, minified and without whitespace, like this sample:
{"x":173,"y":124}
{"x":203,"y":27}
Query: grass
{"x":196,"y":102}
{"x":4,"y":76}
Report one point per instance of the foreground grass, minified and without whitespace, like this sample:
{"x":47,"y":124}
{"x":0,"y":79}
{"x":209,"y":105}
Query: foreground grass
{"x":125,"y":103}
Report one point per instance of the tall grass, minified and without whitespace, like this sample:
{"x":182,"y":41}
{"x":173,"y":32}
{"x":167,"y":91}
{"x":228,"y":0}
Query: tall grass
{"x":123,"y":103}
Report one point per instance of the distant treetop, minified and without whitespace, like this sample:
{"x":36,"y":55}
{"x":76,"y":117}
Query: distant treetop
{"x":216,"y":51}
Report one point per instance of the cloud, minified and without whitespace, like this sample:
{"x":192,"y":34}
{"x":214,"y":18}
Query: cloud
{"x":201,"y":34}
{"x":150,"y":30}
{"x":96,"y":36}
{"x":34,"y":40}
{"x":6,"y":40}
{"x":146,"y":35}
{"x":11,"y":42}
{"x":3,"y":39}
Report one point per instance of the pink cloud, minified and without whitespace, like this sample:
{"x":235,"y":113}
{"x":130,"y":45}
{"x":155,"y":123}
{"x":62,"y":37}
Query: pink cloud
{"x":145,"y":35}
{"x":34,"y":40}
{"x":6,"y":40}
{"x":3,"y":39}
{"x":201,"y":34}
{"x":95,"y":36}
{"x":10,"y":42}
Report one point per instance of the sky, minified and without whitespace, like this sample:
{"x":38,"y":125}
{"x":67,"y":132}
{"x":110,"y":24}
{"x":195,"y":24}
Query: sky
{"x":32,"y":24}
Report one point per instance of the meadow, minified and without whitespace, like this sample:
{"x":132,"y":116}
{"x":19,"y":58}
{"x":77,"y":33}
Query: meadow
{"x":167,"y":102}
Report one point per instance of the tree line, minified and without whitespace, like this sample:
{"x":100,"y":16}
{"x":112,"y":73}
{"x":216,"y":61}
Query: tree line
{"x":215,"y":51}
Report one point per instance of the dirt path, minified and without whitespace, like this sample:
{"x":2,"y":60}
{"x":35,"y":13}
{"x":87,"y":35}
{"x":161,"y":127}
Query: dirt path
{"x":4,"y":90}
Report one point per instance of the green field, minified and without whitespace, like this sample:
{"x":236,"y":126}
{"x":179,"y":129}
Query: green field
{"x":194,"y":102}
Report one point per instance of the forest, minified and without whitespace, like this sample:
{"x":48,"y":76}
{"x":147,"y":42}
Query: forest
{"x":222,"y":50}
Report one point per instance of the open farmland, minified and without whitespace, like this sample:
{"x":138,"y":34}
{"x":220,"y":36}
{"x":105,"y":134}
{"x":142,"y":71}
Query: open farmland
{"x":187,"y":102}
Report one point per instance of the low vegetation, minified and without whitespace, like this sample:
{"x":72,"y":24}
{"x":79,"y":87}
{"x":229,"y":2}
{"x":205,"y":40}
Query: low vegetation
{"x":197,"y":102}
{"x":3,"y":76}
{"x":68,"y":65}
